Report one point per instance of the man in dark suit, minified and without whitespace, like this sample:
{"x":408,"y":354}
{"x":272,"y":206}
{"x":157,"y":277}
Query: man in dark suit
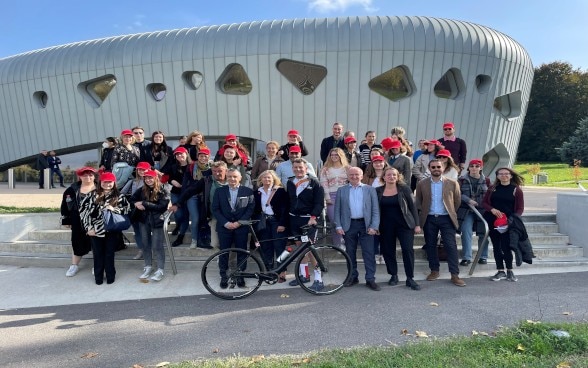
{"x":335,"y":140}
{"x":357,"y":218}
{"x":438,"y":198}
{"x":231,"y":204}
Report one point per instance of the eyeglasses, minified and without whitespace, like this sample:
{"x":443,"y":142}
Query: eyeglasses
{"x":435,"y":167}
{"x":475,"y":166}
{"x":447,"y":128}
{"x":138,"y":133}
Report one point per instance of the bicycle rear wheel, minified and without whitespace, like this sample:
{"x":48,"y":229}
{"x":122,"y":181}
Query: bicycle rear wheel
{"x":239,"y":277}
{"x":326,"y":266}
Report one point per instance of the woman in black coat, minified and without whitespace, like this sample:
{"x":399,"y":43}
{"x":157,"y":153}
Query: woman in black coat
{"x":271,"y":206}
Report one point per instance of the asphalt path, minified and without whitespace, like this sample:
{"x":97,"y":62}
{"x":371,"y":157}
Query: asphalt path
{"x":146,"y":332}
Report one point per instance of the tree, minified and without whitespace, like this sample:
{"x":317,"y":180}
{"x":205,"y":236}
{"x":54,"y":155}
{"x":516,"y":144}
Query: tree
{"x":575,"y":148}
{"x":559,"y":99}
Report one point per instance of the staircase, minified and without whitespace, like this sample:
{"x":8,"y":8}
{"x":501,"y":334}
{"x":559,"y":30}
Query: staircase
{"x":51,"y":248}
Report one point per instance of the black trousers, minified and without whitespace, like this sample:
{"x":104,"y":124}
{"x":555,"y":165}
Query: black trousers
{"x":388,"y":236}
{"x":103,"y":249}
{"x":433,"y":226}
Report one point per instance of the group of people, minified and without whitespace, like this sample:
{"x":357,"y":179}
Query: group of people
{"x":374,"y":194}
{"x":49,"y":160}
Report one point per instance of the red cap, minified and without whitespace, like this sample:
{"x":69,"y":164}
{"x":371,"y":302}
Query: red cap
{"x":444,"y":153}
{"x":229,"y":146}
{"x":107,"y":176}
{"x":151,"y":173}
{"x":230,"y":137}
{"x":476,"y":161}
{"x":350,"y":140}
{"x":386,"y":143}
{"x":205,"y":151}
{"x":395,"y":144}
{"x":502,"y":221}
{"x":143,"y":165}
{"x":127,"y":132}
{"x":164,"y":178}
{"x":433,"y":141}
{"x":378,"y":158}
{"x":293,"y":132}
{"x":295,"y":149}
{"x":82,"y":170}
{"x":448,"y":125}
{"x":180,"y":150}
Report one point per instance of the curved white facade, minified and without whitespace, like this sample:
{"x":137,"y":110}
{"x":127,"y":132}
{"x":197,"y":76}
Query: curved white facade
{"x":354,"y":50}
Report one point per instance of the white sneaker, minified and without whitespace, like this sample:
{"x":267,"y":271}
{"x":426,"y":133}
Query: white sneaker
{"x":139,"y":255}
{"x":193,"y":244}
{"x":158,"y":275}
{"x":146,"y":273}
{"x":73,"y":269}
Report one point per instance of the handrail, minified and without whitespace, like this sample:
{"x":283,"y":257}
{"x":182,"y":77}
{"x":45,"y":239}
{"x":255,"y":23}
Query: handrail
{"x":484,"y":240}
{"x":166,"y":216}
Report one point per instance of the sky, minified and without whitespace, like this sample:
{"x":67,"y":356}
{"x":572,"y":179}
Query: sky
{"x":548,"y":30}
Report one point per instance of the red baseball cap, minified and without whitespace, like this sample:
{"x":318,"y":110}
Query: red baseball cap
{"x":476,"y":161}
{"x":448,"y":125}
{"x":350,"y":140}
{"x":444,"y":153}
{"x":386,"y":143}
{"x":230,"y":137}
{"x":394,"y":144}
{"x":143,"y":165}
{"x":205,"y":151}
{"x":229,"y":146}
{"x":151,"y":173}
{"x":127,"y":132}
{"x":107,"y":176}
{"x":433,"y":141}
{"x":82,"y":170}
{"x":378,"y":158}
{"x":180,"y":150}
{"x":295,"y":149}
{"x":293,"y":132}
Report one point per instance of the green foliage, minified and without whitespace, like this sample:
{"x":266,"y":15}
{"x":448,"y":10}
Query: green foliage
{"x":560,"y":175}
{"x":558,"y":100}
{"x":575,"y":147}
{"x":11,"y":210}
{"x":530,"y":344}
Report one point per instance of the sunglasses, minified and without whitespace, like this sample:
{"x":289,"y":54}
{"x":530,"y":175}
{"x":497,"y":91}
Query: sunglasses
{"x":447,"y":128}
{"x":138,"y":133}
{"x":435,"y":167}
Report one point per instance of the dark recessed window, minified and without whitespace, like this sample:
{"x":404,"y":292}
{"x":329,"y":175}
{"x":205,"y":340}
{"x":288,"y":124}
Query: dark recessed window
{"x":509,"y":106}
{"x":304,"y":76}
{"x":157,"y":91}
{"x":395,"y":84}
{"x":450,"y":85}
{"x":41,"y":98}
{"x":483,"y":83}
{"x":96,"y":90}
{"x":234,"y":80}
{"x":192,"y":79}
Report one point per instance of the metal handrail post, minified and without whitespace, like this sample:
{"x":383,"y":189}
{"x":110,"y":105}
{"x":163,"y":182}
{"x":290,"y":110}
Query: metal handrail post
{"x":484,"y":240}
{"x":170,"y":251}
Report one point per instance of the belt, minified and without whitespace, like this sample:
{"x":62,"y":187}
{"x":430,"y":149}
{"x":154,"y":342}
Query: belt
{"x":291,"y":214}
{"x":437,"y":215}
{"x":357,"y":219}
{"x":268,"y":217}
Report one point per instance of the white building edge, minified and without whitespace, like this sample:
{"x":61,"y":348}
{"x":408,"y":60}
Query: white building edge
{"x":303,"y":74}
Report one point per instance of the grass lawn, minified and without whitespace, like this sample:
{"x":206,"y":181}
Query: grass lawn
{"x":530,"y":344}
{"x":4,"y":210}
{"x":559,"y":175}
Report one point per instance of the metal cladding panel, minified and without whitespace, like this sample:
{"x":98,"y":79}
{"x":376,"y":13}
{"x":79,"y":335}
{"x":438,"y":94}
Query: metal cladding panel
{"x":353,"y":50}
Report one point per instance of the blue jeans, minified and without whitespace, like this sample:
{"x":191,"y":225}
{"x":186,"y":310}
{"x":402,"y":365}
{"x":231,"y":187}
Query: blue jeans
{"x":271,"y":250}
{"x":192,"y":204}
{"x":153,"y":244}
{"x":138,"y":236}
{"x":59,"y":175}
{"x":181,"y":215}
{"x":358,"y":232}
{"x":467,"y":233}
{"x":433,"y":226}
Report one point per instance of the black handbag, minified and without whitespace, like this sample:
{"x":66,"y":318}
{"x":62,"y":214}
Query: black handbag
{"x":262,"y":224}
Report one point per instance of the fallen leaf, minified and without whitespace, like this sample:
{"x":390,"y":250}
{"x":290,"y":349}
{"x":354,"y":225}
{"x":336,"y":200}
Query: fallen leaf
{"x":404,"y":331}
{"x":567,"y":313}
{"x":215,"y":351}
{"x":163,"y":364}
{"x":421,"y":334}
{"x":145,"y":281}
{"x":474,"y":333}
{"x":257,"y":358}
{"x":533,"y":322}
{"x":520,"y":347}
{"x":484,"y":333}
{"x":137,"y":366}
{"x":433,"y":304}
{"x":89,"y":355}
{"x":563,"y":365}
{"x":284,"y":296}
{"x":408,"y":356}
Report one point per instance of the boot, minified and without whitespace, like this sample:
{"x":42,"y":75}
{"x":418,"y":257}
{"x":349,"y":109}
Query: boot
{"x":179,"y":240}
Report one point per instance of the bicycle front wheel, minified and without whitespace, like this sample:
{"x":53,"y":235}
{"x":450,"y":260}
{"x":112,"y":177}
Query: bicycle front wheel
{"x":232,"y":274}
{"x":326,"y":269}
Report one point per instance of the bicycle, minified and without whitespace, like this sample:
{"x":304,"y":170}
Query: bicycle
{"x":331,"y":267}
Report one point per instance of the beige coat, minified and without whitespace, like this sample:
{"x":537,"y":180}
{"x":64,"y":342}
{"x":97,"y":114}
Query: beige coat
{"x":451,"y":199}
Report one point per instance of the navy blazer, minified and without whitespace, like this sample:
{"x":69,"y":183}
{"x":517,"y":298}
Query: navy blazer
{"x":221,"y":206}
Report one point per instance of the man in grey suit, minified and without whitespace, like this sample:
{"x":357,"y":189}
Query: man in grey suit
{"x":357,"y":217}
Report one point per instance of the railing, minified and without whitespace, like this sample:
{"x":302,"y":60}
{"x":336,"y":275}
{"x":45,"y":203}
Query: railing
{"x":166,"y":216}
{"x":484,"y":240}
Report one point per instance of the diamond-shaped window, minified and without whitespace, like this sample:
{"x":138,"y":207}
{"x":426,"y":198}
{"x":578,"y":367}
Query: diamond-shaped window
{"x":304,"y":76}
{"x":450,"y":85}
{"x":509,"y":105}
{"x":234,"y":80}
{"x":395,"y":84}
{"x":96,"y":90}
{"x":192,"y":79}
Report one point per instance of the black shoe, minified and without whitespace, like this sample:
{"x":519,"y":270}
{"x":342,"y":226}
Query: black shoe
{"x":240,"y":282}
{"x":99,"y":282}
{"x":179,"y":241}
{"x":224,"y":283}
{"x":295,"y":281}
{"x":175,"y":231}
{"x":393,"y":280}
{"x":372,"y":285}
{"x":465,"y":262}
{"x":482,"y":261}
{"x":204,"y":246}
{"x":110,"y":281}
{"x":53,"y":187}
{"x":61,"y":185}
{"x":351,"y":282}
{"x":412,"y":284}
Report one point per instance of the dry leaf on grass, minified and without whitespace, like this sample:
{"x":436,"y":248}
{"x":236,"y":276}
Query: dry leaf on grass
{"x":484,"y":333}
{"x":421,"y":334}
{"x":300,"y":362}
{"x":284,"y":296}
{"x":433,"y":304}
{"x":533,"y":322}
{"x":257,"y":358}
{"x":564,"y":365}
{"x":163,"y":364}
{"x":474,"y":333}
{"x":404,"y":331}
{"x":89,"y":355}
{"x":567,"y":313}
{"x":215,"y":351}
{"x":520,"y":347}
{"x":137,"y":366}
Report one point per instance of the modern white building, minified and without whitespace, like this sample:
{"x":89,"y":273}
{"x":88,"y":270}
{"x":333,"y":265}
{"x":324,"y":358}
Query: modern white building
{"x":260,"y":79}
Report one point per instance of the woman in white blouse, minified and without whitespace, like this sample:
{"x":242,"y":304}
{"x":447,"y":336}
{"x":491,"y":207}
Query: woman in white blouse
{"x":333,"y":176}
